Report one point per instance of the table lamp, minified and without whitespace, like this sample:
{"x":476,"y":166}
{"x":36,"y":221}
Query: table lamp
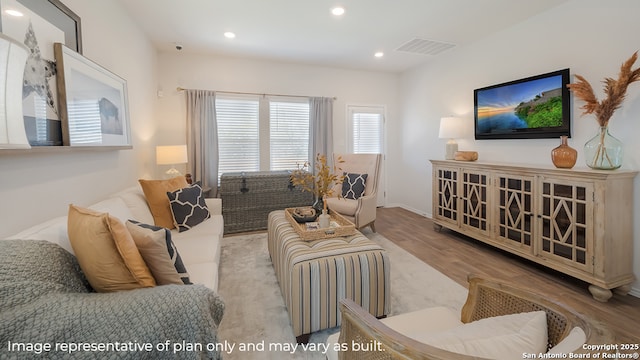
{"x":13,"y":57}
{"x":171,"y":155}
{"x":450,"y":128}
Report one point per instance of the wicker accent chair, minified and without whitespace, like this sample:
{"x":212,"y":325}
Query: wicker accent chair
{"x":361,"y":212}
{"x":486,"y":298}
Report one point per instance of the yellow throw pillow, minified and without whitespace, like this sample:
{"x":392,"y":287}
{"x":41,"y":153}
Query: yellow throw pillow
{"x":155,"y":191}
{"x":106,"y":251}
{"x":152,"y":245}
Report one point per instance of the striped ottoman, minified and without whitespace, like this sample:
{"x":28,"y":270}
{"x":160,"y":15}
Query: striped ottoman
{"x":315,"y":275}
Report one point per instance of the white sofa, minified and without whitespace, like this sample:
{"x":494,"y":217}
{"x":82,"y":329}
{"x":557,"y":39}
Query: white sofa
{"x":198,"y":247}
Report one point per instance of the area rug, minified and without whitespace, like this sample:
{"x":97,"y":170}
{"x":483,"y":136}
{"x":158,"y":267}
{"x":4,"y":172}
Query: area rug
{"x":256,"y":324}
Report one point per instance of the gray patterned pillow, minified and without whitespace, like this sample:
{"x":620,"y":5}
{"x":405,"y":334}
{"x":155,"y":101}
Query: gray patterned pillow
{"x":188,"y":207}
{"x":353,"y":185}
{"x":170,"y":248}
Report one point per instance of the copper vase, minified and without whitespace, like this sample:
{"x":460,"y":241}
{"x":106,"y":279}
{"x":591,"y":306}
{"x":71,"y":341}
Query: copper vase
{"x":564,"y":156}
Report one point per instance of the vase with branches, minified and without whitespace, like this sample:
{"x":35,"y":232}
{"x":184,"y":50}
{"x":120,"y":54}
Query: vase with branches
{"x":605,"y":151}
{"x":321,"y":182}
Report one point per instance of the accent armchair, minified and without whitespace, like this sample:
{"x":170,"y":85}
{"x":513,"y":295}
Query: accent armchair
{"x":394,"y":337}
{"x":361,"y":210}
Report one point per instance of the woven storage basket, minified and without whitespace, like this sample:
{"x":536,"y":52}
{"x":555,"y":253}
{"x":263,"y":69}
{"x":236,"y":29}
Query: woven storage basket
{"x":249,"y":197}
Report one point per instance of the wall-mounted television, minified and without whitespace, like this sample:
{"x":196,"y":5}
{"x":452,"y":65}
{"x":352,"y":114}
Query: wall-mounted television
{"x":531,"y":108}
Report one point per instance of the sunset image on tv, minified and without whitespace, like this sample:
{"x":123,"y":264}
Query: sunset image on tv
{"x":531,"y":104}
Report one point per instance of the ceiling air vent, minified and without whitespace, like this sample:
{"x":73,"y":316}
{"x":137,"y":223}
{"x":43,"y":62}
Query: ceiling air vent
{"x":424,"y":46}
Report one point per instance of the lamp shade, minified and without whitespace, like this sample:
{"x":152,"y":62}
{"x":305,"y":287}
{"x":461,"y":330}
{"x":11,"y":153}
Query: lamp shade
{"x":13,"y":57}
{"x":171,"y":155}
{"x":451,"y":128}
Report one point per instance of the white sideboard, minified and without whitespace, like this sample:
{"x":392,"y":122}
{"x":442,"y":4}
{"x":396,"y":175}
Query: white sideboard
{"x":576,"y":221}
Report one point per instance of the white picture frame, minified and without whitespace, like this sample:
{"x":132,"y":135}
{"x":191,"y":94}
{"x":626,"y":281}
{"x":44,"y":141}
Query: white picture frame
{"x":93,"y":102}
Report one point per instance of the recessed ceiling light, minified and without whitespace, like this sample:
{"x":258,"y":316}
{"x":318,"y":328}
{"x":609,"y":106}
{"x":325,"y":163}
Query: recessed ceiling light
{"x":229,"y":35}
{"x":379,"y":54}
{"x":14,"y":13}
{"x":337,"y":11}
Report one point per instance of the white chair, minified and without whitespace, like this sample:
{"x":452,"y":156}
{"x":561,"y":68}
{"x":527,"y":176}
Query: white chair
{"x":405,"y":336}
{"x":361,"y":211}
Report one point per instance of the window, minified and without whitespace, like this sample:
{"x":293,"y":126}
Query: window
{"x":366,"y":129}
{"x":238,"y":134}
{"x":257,"y":133}
{"x":289,"y":135}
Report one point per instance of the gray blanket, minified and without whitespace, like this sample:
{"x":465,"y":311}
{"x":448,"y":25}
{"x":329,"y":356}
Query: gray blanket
{"x":48,"y":310}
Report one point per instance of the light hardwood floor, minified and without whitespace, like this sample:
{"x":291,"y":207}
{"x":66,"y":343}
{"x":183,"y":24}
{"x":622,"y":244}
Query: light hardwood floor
{"x":458,"y":256}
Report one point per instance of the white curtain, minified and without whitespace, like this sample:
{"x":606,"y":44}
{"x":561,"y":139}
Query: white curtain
{"x":202,"y":138}
{"x":320,"y":128}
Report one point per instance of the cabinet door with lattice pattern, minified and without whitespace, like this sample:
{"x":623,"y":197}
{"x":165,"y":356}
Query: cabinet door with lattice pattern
{"x":565,"y":223}
{"x":474,"y":201}
{"x":514,"y":202}
{"x":445,"y":183}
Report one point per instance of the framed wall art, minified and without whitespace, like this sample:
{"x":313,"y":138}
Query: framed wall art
{"x":39,"y":24}
{"x":93,"y":102}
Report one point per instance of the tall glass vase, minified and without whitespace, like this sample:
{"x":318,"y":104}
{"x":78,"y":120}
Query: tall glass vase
{"x":603,"y":151}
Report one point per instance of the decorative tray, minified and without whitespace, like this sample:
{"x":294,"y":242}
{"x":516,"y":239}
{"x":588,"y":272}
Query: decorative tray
{"x":310,"y":231}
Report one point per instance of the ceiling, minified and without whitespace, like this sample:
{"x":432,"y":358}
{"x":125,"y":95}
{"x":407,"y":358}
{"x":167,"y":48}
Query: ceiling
{"x":305,"y":31}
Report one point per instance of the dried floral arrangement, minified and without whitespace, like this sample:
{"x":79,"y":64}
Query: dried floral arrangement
{"x":602,"y":153}
{"x":321,"y":183}
{"x":615,"y":91}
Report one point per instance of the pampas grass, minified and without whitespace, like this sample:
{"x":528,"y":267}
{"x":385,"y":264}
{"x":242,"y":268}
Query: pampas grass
{"x":615,"y":91}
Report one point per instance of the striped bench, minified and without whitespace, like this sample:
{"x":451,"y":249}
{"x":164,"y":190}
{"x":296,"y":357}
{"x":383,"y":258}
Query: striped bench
{"x":315,"y":275}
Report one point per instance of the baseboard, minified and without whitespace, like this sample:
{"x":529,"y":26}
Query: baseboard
{"x":635,"y":292}
{"x":415,"y":211}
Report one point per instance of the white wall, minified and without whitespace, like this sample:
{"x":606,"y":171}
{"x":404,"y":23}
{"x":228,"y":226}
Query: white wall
{"x":208,"y":72}
{"x":591,"y":37}
{"x":38,"y":186}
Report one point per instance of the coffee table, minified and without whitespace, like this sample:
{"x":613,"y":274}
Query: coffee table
{"x":314,"y":275}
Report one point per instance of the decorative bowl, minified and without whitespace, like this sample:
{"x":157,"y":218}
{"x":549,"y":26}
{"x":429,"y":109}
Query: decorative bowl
{"x":304,"y":214}
{"x":466,"y":155}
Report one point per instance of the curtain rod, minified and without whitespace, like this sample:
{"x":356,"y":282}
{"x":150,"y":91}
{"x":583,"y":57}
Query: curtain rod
{"x":252,"y":93}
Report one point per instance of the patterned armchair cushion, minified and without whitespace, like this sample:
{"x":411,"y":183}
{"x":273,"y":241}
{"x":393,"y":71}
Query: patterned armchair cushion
{"x":354,"y":185}
{"x":188,"y":207}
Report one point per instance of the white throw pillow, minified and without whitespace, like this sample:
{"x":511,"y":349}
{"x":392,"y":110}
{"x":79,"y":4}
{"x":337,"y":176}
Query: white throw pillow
{"x":137,"y":203}
{"x":501,"y":337}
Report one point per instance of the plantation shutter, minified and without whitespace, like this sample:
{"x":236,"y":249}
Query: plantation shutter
{"x":289,"y":134}
{"x":238,"y":133}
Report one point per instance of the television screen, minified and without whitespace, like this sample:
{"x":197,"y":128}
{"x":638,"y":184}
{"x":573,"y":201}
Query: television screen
{"x":534,"y":107}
